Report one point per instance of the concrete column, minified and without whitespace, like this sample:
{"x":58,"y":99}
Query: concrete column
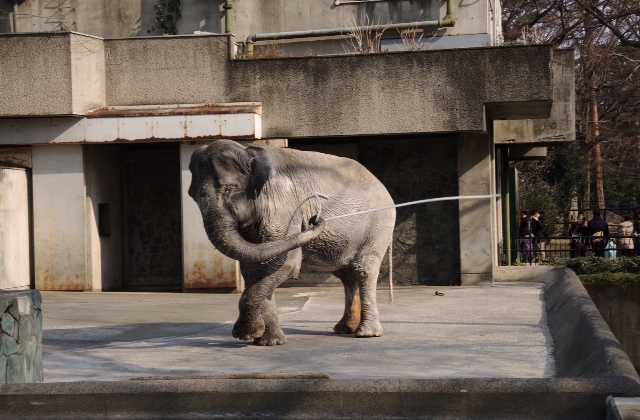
{"x":204,"y":266}
{"x":14,"y":229}
{"x":104,"y":211}
{"x":59,"y":222}
{"x":478,"y":251}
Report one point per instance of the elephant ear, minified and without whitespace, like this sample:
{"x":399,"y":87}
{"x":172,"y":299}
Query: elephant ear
{"x":263,"y":167}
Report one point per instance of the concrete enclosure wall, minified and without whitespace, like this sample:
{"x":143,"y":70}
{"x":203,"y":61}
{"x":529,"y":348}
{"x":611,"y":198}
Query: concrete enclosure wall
{"x":477,"y":22}
{"x":477,"y":232}
{"x":59,"y":227}
{"x":619,"y":305}
{"x":104,"y":204}
{"x":14,"y":229}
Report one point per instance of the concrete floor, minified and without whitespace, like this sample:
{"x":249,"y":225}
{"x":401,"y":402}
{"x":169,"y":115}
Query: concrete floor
{"x":469,"y":332}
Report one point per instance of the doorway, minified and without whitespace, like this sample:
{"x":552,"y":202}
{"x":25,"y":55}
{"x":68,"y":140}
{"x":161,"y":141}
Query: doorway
{"x":152,"y":217}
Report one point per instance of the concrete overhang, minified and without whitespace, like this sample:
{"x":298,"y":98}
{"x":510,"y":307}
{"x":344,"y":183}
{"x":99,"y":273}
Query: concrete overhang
{"x":527,"y":153}
{"x":179,"y":122}
{"x":422,"y":92}
{"x":518,"y":110}
{"x":443,"y":91}
{"x":559,"y":127}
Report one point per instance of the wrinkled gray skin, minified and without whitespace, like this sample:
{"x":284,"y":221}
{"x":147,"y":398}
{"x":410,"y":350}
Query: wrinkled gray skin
{"x":258,"y":207}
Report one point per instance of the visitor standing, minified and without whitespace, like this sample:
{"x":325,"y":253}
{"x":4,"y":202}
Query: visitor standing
{"x":625,"y":240}
{"x":599,"y":232}
{"x":537,"y":230}
{"x":525,"y":223}
{"x":579,"y":233}
{"x":526,"y":243}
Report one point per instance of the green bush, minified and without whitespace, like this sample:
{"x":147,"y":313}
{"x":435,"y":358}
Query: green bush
{"x":595,"y":270}
{"x":596,"y":265}
{"x":610,"y":278}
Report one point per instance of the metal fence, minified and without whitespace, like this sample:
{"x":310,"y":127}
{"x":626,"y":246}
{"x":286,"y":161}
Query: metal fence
{"x":565,"y":247}
{"x":561,"y":225}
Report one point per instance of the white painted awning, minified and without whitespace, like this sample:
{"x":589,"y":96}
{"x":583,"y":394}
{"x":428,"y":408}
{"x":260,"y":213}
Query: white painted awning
{"x":148,"y":123}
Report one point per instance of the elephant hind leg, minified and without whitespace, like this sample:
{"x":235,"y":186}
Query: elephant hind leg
{"x":352,"y":308}
{"x":367,"y":269}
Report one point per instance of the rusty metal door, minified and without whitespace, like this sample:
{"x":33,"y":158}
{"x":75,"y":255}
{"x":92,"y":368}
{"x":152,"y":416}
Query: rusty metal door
{"x":152,"y":221}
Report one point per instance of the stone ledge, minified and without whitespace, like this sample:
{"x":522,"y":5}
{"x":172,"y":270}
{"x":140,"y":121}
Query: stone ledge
{"x":619,"y":408}
{"x":20,"y":337}
{"x":584,"y":345}
{"x":316,"y":398}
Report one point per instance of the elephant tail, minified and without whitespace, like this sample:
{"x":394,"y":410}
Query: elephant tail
{"x":390,"y":255}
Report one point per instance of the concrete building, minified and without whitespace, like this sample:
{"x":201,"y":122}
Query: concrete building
{"x":96,"y":133}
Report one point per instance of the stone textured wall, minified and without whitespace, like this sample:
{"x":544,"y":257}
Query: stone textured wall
{"x":152,"y":218}
{"x":20,"y":337}
{"x":412,"y":170}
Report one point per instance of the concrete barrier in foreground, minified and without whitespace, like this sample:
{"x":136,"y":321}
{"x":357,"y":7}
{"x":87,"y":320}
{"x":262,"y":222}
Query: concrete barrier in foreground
{"x":619,"y":305}
{"x":590,"y":363}
{"x":20,"y":337}
{"x":564,"y":398}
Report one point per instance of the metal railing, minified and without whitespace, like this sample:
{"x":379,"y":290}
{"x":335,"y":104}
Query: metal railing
{"x":565,"y":247}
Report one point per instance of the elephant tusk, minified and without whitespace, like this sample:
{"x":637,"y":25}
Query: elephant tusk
{"x":318,"y":196}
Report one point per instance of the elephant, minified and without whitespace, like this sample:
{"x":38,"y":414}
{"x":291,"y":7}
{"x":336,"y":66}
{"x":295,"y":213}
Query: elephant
{"x":258,"y":206}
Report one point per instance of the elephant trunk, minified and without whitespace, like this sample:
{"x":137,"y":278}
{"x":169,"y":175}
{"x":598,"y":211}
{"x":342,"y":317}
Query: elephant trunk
{"x":227,"y":239}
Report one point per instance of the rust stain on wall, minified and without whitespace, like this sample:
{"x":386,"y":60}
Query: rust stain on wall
{"x":20,"y":156}
{"x":56,"y":282}
{"x":210,"y":275}
{"x":201,"y":109}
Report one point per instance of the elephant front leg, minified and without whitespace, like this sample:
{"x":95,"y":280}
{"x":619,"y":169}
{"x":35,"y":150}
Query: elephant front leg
{"x":273,"y":334}
{"x":258,"y":320}
{"x":250,"y":324}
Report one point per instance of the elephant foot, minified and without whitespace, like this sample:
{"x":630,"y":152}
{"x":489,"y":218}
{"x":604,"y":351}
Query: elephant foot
{"x":369,"y":329}
{"x":344,"y":328}
{"x":271,"y":338}
{"x":248,"y":331}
